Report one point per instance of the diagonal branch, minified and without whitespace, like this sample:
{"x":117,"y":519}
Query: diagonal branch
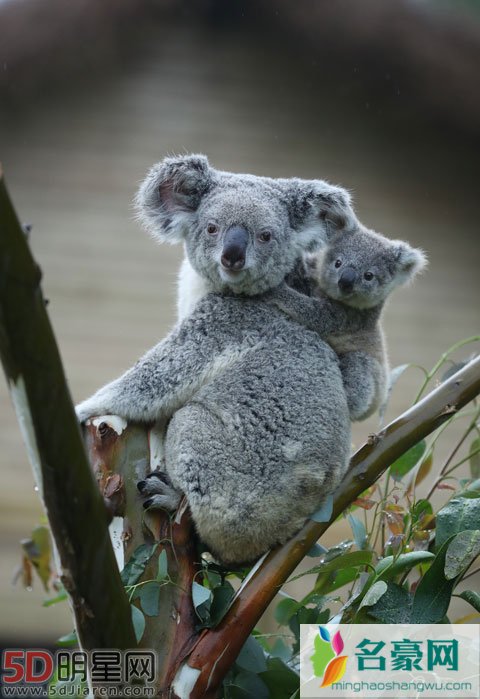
{"x":217,"y":648}
{"x":75,"y":509}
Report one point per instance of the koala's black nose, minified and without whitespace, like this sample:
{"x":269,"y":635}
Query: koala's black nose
{"x":347,"y":280}
{"x":234,"y":250}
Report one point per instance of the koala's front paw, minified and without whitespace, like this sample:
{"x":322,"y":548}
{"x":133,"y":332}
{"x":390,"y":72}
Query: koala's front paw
{"x":158,"y":492}
{"x":89,"y":408}
{"x":83,"y":412}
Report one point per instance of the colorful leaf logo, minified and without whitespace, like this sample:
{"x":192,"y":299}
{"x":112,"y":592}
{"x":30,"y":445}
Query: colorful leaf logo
{"x":335,"y":670}
{"x":324,"y":633}
{"x":322,"y":656}
{"x":337,"y":643}
{"x":327,"y":660}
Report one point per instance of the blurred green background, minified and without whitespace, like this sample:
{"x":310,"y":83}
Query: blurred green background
{"x":382,"y":98}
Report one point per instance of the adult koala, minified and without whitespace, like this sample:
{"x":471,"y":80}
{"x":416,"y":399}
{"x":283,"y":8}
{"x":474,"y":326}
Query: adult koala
{"x":258,"y":428}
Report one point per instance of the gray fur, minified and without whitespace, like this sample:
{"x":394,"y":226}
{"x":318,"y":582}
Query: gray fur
{"x":358,"y":337}
{"x":258,"y":429}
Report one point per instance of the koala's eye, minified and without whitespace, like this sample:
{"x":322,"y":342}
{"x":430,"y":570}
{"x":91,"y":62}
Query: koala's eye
{"x":265,"y":236}
{"x":212,"y":229}
{"x":338,"y":263}
{"x":368,"y":276}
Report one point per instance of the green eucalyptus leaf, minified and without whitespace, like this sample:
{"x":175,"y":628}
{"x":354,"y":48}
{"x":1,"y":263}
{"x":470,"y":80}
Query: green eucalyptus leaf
{"x":420,"y":472}
{"x":358,"y":530}
{"x":251,"y":686}
{"x":421,"y":508}
{"x":306,"y":615}
{"x":338,"y":550}
{"x":458,"y":515}
{"x":472,"y":598}
{"x":252,"y":656}
{"x":394,"y":607}
{"x":281,"y":650}
{"x":390,"y":566}
{"x":316,"y":550}
{"x":475,"y":458}
{"x":281,"y":680}
{"x":471,"y":488}
{"x":222,"y":597}
{"x":149,"y":596}
{"x":200,"y":595}
{"x":310,"y":615}
{"x":261,"y":639}
{"x":372,"y":595}
{"x":462,"y":550}
{"x":67,"y":641}
{"x":162,"y":566}
{"x":333,"y":552}
{"x":61,"y":597}
{"x":433,"y":594}
{"x":324,"y":512}
{"x":234,"y":692}
{"x":333,"y":581}
{"x":38,"y":551}
{"x":469,"y":493}
{"x":137,"y":563}
{"x":347,"y":560}
{"x":285,"y":610}
{"x":138,"y":621}
{"x":407,"y":461}
{"x":214,"y":578}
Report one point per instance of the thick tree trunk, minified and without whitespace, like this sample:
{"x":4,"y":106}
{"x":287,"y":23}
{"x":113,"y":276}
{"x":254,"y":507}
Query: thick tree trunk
{"x":75,"y":510}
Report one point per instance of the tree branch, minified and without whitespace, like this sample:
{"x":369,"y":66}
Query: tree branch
{"x":76,"y":512}
{"x":217,"y":648}
{"x":121,"y":455}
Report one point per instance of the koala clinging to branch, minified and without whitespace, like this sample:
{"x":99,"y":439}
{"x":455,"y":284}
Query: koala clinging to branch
{"x":359,"y":270}
{"x":258,"y":428}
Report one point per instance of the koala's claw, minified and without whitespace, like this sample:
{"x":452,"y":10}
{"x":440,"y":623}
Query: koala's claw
{"x":153,"y":482}
{"x":159,"y":492}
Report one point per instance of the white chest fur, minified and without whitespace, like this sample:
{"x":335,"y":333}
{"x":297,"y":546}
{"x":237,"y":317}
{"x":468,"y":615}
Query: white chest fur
{"x":191,"y":288}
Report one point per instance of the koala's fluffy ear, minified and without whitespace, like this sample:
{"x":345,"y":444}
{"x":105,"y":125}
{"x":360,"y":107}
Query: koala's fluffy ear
{"x":318,"y":211}
{"x":171,"y":193}
{"x":408,"y":261}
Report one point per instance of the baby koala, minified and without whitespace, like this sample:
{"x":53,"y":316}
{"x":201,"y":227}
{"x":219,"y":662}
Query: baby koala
{"x":359,"y":271}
